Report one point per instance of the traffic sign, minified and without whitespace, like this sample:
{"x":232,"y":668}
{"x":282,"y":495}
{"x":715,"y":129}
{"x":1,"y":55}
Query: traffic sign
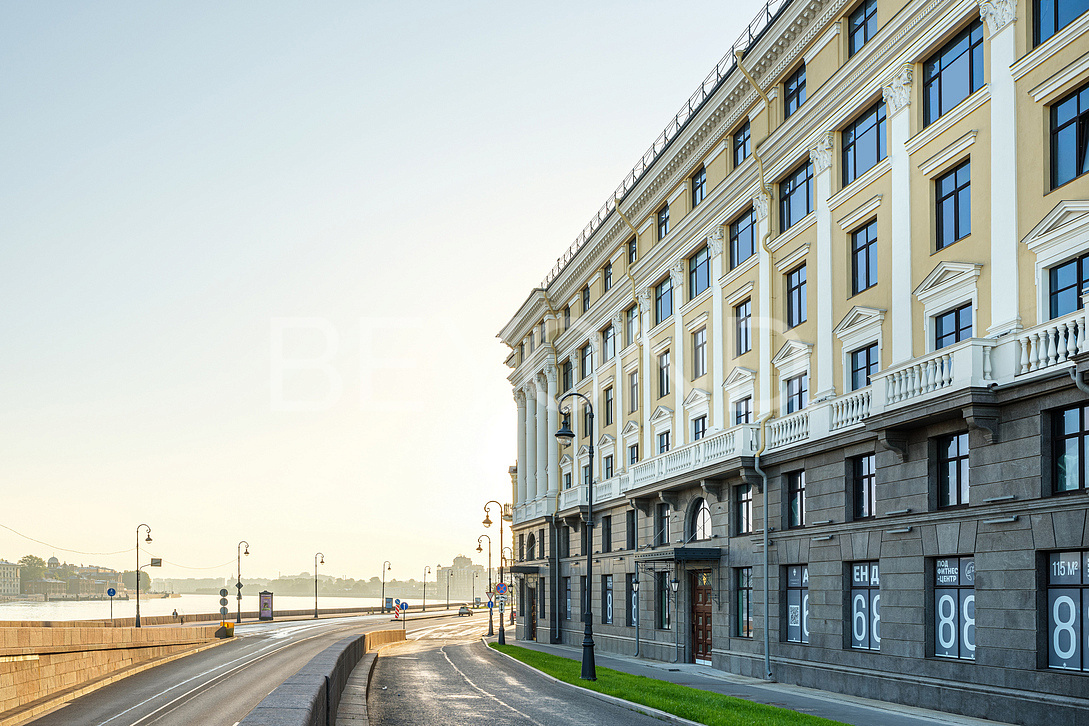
{"x":501,"y":588}
{"x":490,"y":604}
{"x":156,"y":561}
{"x":238,"y":584}
{"x":111,"y":592}
{"x":223,"y":602}
{"x":223,"y":592}
{"x":223,"y":612}
{"x":502,"y":598}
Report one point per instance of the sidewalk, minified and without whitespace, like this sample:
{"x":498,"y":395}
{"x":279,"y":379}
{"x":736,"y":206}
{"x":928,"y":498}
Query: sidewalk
{"x":834,"y":706}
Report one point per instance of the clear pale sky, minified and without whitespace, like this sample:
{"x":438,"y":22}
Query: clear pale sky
{"x":177,"y":179}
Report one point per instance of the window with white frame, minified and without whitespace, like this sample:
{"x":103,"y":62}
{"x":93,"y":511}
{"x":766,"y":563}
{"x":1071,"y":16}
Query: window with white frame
{"x":699,"y":427}
{"x":743,"y":411}
{"x":663,"y":374}
{"x":699,"y":353}
{"x":797,"y":392}
{"x":663,"y":441}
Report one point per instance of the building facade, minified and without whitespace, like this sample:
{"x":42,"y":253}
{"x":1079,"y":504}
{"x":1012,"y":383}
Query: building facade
{"x":9,"y":578}
{"x":833,"y":333}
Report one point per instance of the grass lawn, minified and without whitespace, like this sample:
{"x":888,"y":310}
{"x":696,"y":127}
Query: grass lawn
{"x":713,"y":709}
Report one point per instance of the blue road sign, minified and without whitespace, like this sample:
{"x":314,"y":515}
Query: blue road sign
{"x":397,"y":601}
{"x":111,"y":592}
{"x":490,"y":604}
{"x":501,"y":588}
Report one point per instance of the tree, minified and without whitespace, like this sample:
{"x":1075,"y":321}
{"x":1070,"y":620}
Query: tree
{"x":33,"y":567}
{"x":128,"y":578}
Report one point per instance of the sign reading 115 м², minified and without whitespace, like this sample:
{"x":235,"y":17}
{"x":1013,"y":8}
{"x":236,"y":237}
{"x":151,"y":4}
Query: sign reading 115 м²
{"x":1067,"y":610}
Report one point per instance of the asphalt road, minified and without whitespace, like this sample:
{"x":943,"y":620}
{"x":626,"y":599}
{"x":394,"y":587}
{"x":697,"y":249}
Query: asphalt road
{"x":446,"y":676}
{"x":219,"y":686}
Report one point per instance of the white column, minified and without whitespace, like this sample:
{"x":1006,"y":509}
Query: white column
{"x":1002,"y":23}
{"x":763,"y":316}
{"x":821,"y":157}
{"x":618,"y":393}
{"x":553,"y":427}
{"x":649,"y":370}
{"x":678,"y":373}
{"x":716,"y":243}
{"x":520,"y":400}
{"x":531,"y":441}
{"x":543,"y":435}
{"x":897,"y":96}
{"x":595,"y":397}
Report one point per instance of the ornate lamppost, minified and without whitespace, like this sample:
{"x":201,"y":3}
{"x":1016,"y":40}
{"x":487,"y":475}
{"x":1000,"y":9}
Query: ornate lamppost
{"x":491,"y":628}
{"x":238,"y":583}
{"x":316,"y":556}
{"x":488,"y":523}
{"x":138,"y":527}
{"x":427,"y":569}
{"x":385,"y":567}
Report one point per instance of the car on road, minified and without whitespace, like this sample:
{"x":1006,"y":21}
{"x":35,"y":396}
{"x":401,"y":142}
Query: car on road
{"x":463,"y":610}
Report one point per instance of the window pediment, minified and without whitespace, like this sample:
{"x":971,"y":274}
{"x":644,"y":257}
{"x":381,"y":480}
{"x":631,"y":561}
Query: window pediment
{"x":947,"y":277}
{"x":630,"y":429}
{"x":662,"y":413}
{"x":1067,"y":222}
{"x":738,"y":378}
{"x":696,"y":397}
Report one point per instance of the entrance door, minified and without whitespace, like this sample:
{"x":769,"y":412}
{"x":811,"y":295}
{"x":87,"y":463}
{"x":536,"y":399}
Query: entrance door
{"x":531,"y":613}
{"x":701,"y":616}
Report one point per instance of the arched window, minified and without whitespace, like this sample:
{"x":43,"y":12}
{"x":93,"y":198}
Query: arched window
{"x":699,"y":526}
{"x":531,"y":545}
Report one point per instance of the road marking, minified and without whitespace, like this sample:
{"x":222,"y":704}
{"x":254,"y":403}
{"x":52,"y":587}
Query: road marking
{"x":489,"y":695}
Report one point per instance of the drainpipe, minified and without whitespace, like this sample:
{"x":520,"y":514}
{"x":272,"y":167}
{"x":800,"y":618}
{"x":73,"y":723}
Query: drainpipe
{"x":764,"y":496}
{"x":763,"y":420}
{"x":1082,"y":386}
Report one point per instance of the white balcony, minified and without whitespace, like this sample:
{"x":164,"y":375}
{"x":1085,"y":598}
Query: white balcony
{"x":1050,"y":344}
{"x":738,"y":441}
{"x":789,"y":429}
{"x":969,"y":363}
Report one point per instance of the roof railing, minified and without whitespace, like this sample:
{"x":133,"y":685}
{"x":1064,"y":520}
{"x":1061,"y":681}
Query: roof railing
{"x":711,"y":83}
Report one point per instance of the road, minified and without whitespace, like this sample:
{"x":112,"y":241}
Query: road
{"x":444,"y":675}
{"x":219,"y":686}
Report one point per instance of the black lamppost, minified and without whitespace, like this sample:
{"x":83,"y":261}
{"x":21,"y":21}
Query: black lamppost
{"x":566,"y":436}
{"x":488,"y":523}
{"x":316,"y":556}
{"x":475,"y":575}
{"x":238,"y":584}
{"x":491,"y":628}
{"x":427,"y":569}
{"x":510,"y":585}
{"x":385,"y":567}
{"x":449,"y":574}
{"x":635,"y":605}
{"x":673,"y":585}
{"x":138,"y":567}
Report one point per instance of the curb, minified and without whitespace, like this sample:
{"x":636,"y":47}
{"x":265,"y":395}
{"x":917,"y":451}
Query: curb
{"x":630,"y":705}
{"x":355,"y":695}
{"x":44,"y":707}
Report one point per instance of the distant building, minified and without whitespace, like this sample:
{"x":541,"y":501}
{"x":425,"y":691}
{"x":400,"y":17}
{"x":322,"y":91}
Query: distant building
{"x":464,"y":579}
{"x":46,"y":586}
{"x":9,"y":578}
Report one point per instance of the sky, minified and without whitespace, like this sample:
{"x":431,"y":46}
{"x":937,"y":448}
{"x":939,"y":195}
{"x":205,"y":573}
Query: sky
{"x":254,"y":257}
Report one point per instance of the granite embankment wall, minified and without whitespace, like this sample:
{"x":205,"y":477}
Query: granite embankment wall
{"x":39,"y":661}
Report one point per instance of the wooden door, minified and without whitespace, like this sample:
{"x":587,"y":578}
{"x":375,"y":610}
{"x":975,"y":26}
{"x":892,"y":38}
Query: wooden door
{"x":701,"y":616}
{"x":531,"y":614}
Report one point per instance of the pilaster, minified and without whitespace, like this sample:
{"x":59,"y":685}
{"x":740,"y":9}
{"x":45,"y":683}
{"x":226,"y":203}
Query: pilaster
{"x":821,"y":156}
{"x":552,"y":376}
{"x":677,"y":278}
{"x":716,"y":243}
{"x":531,"y":441}
{"x":520,"y":402}
{"x":897,"y":94}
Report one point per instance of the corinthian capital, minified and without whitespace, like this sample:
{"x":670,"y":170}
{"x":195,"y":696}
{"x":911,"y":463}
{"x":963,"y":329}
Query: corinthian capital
{"x":530,"y":389}
{"x":821,"y":153}
{"x":761,"y":203}
{"x":897,"y":92}
{"x":676,"y":274}
{"x":551,"y":374}
{"x":520,"y":397}
{"x":645,"y":296}
{"x":997,"y":13}
{"x":717,"y":239}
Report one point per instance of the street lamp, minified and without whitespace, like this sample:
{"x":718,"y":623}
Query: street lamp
{"x":449,"y":574}
{"x":510,"y":585}
{"x":316,"y":556}
{"x":635,"y":604}
{"x":138,"y":567}
{"x":673,"y":585}
{"x":385,"y":568}
{"x":491,"y":629}
{"x":566,"y":436}
{"x":238,"y":584}
{"x":475,"y":575}
{"x":427,"y":569}
{"x":488,"y":523}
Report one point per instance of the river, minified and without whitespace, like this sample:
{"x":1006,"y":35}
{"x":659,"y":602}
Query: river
{"x":185,"y":605}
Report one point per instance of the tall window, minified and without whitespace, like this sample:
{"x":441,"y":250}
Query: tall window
{"x":797,"y":601}
{"x":606,"y":599}
{"x":743,"y":509}
{"x":633,"y":251}
{"x":607,"y":276}
{"x":567,"y":598}
{"x":663,"y":300}
{"x":742,"y":144}
{"x":663,"y":374}
{"x":742,"y":238}
{"x":567,"y":480}
{"x":633,"y":454}
{"x":609,"y":406}
{"x":743,"y":611}
{"x":568,"y":375}
{"x":586,"y":421}
{"x":953,"y":73}
{"x":699,"y":427}
{"x":607,"y":534}
{"x":664,"y":441}
{"x":1070,"y":135}
{"x":663,"y":222}
{"x":953,"y":326}
{"x":794,"y":91}
{"x":865,"y":616}
{"x":743,"y":411}
{"x":584,"y":593}
{"x":661,"y":524}
{"x":700,"y":524}
{"x":699,"y":186}
{"x":797,"y":301}
{"x":863,"y":366}
{"x":633,"y":391}
{"x":662,"y":600}
{"x":953,"y":202}
{"x":795,"y":196}
{"x":864,"y":486}
{"x":566,"y":318}
{"x":699,"y":272}
{"x":586,"y":361}
{"x":608,"y":343}
{"x":743,"y":318}
{"x":629,"y":528}
{"x":864,"y":143}
{"x":1071,"y":435}
{"x":955,"y":607}
{"x":630,"y":318}
{"x":1068,"y":281}
{"x":699,"y":353}
{"x":797,"y":393}
{"x":586,"y":475}
{"x":1067,"y":604}
{"x":795,"y":499}
{"x":953,"y":470}
{"x":585,"y":298}
{"x":864,"y":258}
{"x":861,"y":26}
{"x":1051,"y":16}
